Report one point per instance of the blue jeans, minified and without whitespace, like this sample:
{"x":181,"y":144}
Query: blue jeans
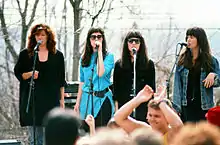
{"x":39,"y":135}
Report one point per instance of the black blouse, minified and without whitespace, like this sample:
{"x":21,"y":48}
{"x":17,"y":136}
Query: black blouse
{"x":123,"y":84}
{"x":51,"y":78}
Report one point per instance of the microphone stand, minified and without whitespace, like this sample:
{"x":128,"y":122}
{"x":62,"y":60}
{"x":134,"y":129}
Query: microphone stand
{"x":31,"y":94}
{"x":134,"y":80}
{"x":90,"y":92}
{"x":171,"y":73}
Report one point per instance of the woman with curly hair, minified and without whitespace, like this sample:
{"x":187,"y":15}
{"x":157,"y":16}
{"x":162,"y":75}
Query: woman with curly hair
{"x":49,"y":79}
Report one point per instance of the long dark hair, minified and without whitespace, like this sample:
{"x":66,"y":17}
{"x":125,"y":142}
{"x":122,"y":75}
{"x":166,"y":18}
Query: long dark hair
{"x":204,"y":59}
{"x":142,"y":57}
{"x":36,"y":29}
{"x":86,"y":57}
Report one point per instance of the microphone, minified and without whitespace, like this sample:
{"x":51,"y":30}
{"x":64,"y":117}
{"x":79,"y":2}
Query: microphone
{"x":96,"y":44}
{"x":37,"y":45}
{"x":182,"y":44}
{"x":134,"y":51}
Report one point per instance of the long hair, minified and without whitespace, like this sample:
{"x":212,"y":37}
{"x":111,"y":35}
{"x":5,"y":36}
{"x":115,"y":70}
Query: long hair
{"x":51,"y":43}
{"x":86,"y":57}
{"x":142,"y":58}
{"x":204,"y":59}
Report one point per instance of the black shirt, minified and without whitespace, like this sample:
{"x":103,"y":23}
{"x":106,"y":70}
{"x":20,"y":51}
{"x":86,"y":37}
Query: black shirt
{"x":51,"y":78}
{"x":123,"y":84}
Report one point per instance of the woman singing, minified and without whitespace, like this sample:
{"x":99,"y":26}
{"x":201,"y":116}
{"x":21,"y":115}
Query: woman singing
{"x":196,"y":74}
{"x":96,"y":64}
{"x":123,"y":72}
{"x":49,"y":79}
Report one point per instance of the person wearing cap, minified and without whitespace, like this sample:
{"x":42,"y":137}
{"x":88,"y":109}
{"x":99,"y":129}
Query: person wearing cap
{"x":213,"y":116}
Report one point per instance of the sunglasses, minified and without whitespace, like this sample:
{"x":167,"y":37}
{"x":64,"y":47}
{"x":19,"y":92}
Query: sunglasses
{"x":136,"y":40}
{"x":93,"y":37}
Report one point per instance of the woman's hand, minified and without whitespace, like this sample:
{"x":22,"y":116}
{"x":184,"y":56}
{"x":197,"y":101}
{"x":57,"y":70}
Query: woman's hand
{"x":99,"y":44}
{"x":76,"y":107}
{"x":62,"y":103}
{"x":209,"y":80}
{"x":28,"y":75}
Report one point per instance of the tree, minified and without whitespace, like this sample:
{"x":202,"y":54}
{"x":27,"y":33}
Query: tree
{"x":9,"y":100}
{"x":77,"y":21}
{"x":24,"y":26}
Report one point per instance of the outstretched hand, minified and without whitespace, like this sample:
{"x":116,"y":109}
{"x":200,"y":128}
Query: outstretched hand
{"x":145,"y":94}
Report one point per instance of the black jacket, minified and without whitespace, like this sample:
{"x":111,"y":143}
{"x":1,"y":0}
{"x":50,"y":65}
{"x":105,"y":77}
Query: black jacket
{"x":123,"y":84}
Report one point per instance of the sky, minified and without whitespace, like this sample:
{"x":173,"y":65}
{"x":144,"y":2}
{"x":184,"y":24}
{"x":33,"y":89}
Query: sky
{"x":152,"y":17}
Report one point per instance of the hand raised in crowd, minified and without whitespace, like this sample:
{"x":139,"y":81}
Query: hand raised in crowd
{"x":209,"y":80}
{"x":91,"y":123}
{"x":90,"y":120}
{"x":160,"y":94}
{"x":145,"y":94}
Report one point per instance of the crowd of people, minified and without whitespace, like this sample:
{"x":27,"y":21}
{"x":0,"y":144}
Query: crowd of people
{"x":135,"y":112}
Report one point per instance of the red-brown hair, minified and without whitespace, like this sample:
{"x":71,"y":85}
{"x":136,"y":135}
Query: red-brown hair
{"x":51,"y":43}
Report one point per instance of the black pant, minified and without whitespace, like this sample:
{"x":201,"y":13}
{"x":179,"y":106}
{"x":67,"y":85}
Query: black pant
{"x":104,"y":114}
{"x":193,"y":113}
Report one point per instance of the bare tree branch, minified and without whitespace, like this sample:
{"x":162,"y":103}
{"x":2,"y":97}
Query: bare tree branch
{"x":4,"y":67}
{"x":99,"y":12}
{"x":25,"y":26}
{"x":77,"y":22}
{"x":45,"y":10}
{"x":19,"y":7}
{"x":6,"y":34}
{"x":33,"y":13}
{"x":109,"y":10}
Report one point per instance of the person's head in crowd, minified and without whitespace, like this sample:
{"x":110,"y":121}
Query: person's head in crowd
{"x":106,"y":136}
{"x":213,"y":116}
{"x":134,"y":40}
{"x":146,"y":136}
{"x":202,"y":133}
{"x":44,"y":34}
{"x":155,"y":116}
{"x":94,"y":35}
{"x":61,"y":127}
{"x":112,"y":124}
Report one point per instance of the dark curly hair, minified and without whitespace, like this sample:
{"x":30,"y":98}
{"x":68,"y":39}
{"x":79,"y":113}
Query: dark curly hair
{"x":51,"y":43}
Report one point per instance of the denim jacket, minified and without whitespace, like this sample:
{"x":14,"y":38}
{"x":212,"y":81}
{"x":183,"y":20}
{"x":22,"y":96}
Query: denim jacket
{"x":180,"y":87}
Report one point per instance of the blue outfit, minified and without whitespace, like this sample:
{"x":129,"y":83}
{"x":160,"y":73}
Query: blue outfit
{"x":180,"y":87}
{"x":99,"y":84}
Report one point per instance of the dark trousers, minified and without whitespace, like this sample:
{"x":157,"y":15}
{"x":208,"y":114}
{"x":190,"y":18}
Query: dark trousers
{"x":104,"y":114}
{"x":193,"y":113}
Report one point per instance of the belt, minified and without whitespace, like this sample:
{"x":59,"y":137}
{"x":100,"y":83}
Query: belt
{"x":100,"y":94}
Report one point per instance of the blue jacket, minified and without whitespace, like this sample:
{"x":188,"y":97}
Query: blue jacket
{"x":180,"y":87}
